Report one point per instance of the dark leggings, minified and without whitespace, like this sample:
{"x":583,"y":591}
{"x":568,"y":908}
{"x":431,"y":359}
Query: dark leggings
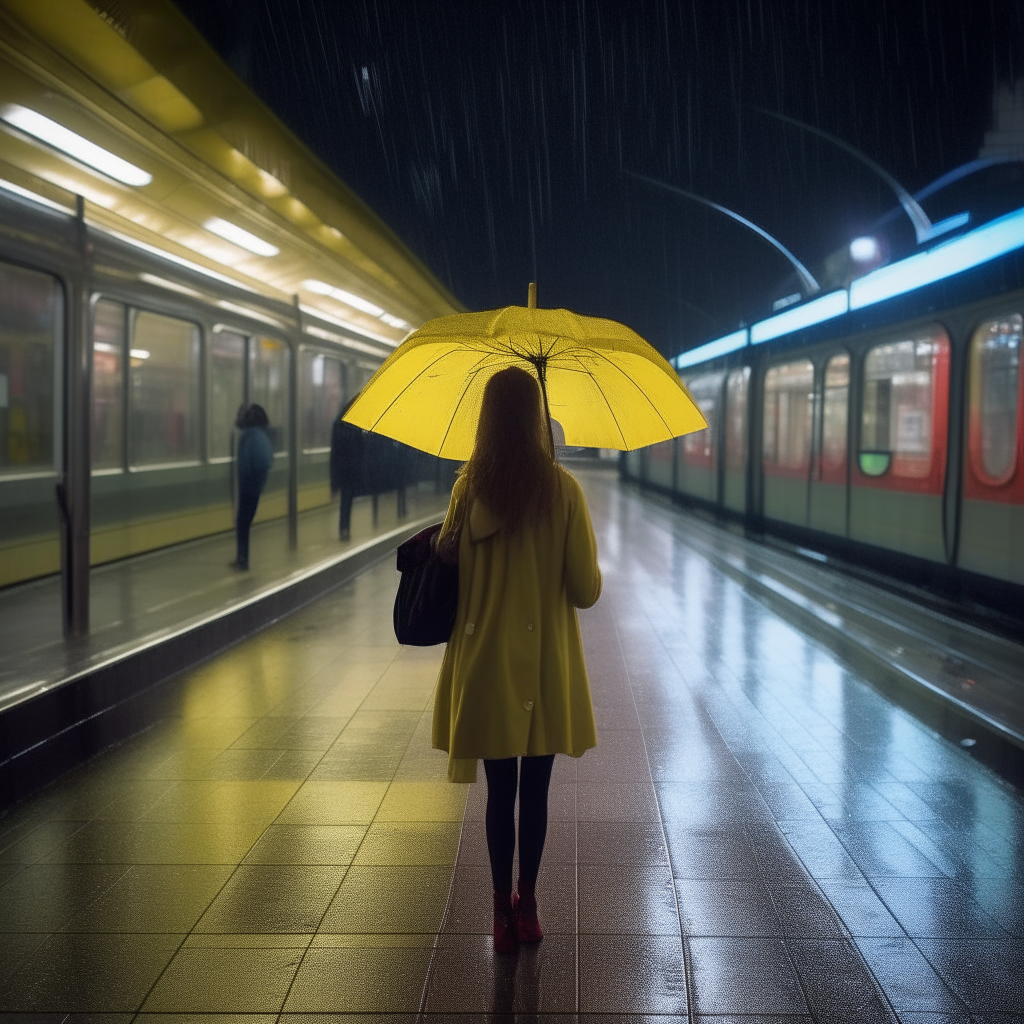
{"x":248,"y":501}
{"x":502,"y":779}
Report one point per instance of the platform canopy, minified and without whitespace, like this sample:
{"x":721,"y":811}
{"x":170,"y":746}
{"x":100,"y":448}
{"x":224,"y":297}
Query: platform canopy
{"x":128,"y":106}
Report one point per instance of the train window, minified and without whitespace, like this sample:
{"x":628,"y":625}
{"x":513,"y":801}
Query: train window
{"x":788,"y":417}
{"x":227,"y":390}
{"x":323,"y":387}
{"x":163,"y":425}
{"x":834,"y":413}
{"x":108,"y":337}
{"x":737,"y":386}
{"x":994,"y":396}
{"x":698,"y":447}
{"x":30,"y":323}
{"x":896,"y":416}
{"x":268,"y":385}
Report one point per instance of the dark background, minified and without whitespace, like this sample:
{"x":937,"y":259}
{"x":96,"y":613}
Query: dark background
{"x":494,"y":136}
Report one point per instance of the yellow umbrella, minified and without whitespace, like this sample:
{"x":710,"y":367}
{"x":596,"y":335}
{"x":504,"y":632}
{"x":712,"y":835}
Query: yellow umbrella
{"x":603,"y":383}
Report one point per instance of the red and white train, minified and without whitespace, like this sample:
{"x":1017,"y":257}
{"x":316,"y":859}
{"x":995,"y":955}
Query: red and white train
{"x":881,"y":422}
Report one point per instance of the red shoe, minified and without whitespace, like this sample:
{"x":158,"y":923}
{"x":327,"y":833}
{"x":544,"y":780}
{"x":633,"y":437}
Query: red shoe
{"x":504,"y":925}
{"x":527,"y":926}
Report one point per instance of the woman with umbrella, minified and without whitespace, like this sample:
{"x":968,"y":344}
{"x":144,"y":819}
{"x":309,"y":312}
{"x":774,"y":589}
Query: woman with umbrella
{"x":513,"y":687}
{"x":513,"y":684}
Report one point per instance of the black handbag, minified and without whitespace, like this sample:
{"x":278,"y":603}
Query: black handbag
{"x":428,"y":594}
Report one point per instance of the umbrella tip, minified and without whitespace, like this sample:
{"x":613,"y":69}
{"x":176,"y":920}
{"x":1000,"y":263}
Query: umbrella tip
{"x":531,"y":299}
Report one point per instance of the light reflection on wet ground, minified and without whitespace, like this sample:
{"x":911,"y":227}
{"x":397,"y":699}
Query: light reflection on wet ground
{"x":759,"y":832}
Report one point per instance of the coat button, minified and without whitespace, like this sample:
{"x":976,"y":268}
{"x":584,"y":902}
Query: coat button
{"x":528,"y":704}
{"x":469,"y":628}
{"x":529,"y":625}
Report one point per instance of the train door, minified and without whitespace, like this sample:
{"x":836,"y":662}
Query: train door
{"x":268,"y":386}
{"x":992,"y":519}
{"x":321,"y":396}
{"x":786,"y":440}
{"x":697,"y":456}
{"x":896,"y":485}
{"x":828,"y":485}
{"x":734,"y":478}
{"x":31,"y":385}
{"x":659,"y":469}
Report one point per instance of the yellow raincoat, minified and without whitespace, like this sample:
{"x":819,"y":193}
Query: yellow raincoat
{"x":513,"y":680}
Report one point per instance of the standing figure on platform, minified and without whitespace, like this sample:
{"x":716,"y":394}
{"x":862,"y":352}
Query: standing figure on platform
{"x":347,"y":458}
{"x":513,"y":684}
{"x":255,"y":455}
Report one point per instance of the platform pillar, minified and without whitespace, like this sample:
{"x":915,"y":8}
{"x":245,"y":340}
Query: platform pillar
{"x":293,"y":431}
{"x":74,"y":487}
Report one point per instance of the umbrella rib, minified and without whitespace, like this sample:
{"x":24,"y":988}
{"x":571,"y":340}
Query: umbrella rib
{"x":592,"y":351}
{"x":597,"y":384}
{"x":390,"y":404}
{"x":470,"y":378}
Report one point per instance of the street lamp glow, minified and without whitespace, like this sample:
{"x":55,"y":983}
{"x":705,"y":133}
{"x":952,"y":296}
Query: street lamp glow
{"x":864,"y":249}
{"x":56,"y":135}
{"x":240,"y":237}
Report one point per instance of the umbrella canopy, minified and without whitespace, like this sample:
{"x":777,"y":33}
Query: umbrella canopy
{"x":604,"y":384}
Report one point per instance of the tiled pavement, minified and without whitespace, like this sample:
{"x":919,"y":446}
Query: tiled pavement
{"x":759,"y":837}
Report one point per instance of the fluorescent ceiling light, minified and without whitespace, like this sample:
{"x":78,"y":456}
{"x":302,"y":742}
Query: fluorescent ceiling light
{"x":179,"y":260}
{"x":240,"y":237}
{"x":355,"y":301}
{"x":24,"y":193}
{"x":246,"y":311}
{"x":795,"y":319}
{"x":995,"y":239}
{"x":361,"y":331}
{"x":712,"y":349}
{"x":162,"y":282}
{"x":138,"y":353}
{"x":84,"y":151}
{"x":358,"y":346}
{"x":103,"y":346}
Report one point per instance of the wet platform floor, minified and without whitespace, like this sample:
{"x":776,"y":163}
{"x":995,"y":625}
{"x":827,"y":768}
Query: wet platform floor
{"x":144,"y":598}
{"x":759,"y":836}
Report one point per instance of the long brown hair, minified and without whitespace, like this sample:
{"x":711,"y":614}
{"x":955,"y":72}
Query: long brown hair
{"x":512,"y":470}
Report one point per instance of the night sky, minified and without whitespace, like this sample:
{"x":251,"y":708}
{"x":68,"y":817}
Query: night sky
{"x":496,"y":137}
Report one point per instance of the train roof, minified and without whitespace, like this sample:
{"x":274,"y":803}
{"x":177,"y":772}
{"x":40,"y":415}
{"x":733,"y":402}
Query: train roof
{"x":127,"y":105}
{"x":976,"y":250}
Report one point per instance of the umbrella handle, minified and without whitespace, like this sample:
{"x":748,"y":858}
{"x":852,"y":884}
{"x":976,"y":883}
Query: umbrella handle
{"x":541,"y":375}
{"x":541,"y":366}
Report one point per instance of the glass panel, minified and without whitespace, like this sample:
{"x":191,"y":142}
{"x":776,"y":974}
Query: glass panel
{"x":29,"y":321}
{"x":699,"y":446}
{"x":788,"y":417}
{"x":108,"y":335}
{"x":736,"y":388}
{"x":896,"y":418}
{"x":268,"y":386}
{"x":995,"y":387}
{"x":834,"y":420}
{"x":322,"y":392}
{"x":227,"y":390}
{"x":164,"y":392}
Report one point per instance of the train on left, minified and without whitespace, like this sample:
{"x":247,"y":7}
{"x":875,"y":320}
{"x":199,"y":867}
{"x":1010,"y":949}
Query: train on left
{"x":169,"y":251}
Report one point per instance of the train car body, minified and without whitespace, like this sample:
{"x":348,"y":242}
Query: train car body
{"x":885,"y":426}
{"x":168,"y":253}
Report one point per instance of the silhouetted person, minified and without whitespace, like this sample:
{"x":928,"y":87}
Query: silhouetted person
{"x":255,"y":454}
{"x":513,"y":686}
{"x":347,"y":460}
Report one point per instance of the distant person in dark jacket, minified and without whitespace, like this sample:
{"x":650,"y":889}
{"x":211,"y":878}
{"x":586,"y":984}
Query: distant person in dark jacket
{"x":255,"y":454}
{"x":347,"y":457}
